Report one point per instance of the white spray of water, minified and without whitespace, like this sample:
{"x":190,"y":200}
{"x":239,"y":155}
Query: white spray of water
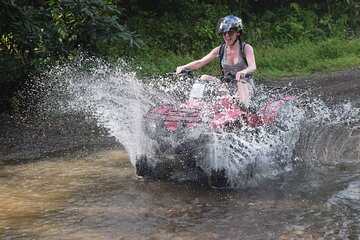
{"x":253,"y":155}
{"x":119,"y":100}
{"x":114,"y":96}
{"x":330,"y":134}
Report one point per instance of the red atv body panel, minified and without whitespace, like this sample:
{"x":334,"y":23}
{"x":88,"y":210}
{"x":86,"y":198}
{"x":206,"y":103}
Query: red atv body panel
{"x":214,"y":115}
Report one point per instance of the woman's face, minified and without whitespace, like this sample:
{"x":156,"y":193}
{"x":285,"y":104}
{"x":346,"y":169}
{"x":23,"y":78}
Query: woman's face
{"x":230,"y":36}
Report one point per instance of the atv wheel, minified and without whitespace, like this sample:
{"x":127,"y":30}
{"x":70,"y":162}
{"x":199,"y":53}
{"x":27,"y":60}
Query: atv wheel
{"x":142,"y":167}
{"x":145,"y":169}
{"x":218,"y":179}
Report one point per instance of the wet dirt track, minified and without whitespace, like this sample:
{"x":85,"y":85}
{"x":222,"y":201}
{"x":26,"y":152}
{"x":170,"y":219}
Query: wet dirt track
{"x":333,"y":87}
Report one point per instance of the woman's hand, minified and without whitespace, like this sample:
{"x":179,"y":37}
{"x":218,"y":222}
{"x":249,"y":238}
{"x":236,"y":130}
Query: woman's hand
{"x":241,"y":75}
{"x":179,"y":69}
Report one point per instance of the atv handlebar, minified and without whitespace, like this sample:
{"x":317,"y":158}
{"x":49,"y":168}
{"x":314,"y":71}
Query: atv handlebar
{"x":231,"y":77}
{"x":187,"y":72}
{"x":228,"y":78}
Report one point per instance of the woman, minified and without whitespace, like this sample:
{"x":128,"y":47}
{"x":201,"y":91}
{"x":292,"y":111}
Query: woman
{"x":237,"y":57}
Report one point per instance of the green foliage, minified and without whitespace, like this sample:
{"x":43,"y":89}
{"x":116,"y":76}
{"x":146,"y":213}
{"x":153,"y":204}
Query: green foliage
{"x":289,"y":37}
{"x":36,"y":33}
{"x":295,"y":23}
{"x":189,"y":26}
{"x":273,"y":62}
{"x":307,"y":57}
{"x":185,"y":28}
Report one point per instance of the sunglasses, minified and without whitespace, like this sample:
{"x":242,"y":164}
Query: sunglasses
{"x":230,"y":33}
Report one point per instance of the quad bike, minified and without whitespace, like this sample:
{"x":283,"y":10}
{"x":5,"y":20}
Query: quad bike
{"x":181,"y":131}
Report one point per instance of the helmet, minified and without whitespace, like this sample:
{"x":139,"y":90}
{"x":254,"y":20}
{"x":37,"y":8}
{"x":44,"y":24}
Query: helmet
{"x":228,"y":23}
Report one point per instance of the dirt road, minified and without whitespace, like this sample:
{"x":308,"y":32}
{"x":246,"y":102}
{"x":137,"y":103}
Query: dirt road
{"x":331,"y":87}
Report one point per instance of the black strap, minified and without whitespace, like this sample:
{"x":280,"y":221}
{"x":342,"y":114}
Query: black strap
{"x":242,"y":47}
{"x":221,"y":55}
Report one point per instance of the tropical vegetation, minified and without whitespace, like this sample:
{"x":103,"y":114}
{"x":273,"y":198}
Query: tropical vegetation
{"x":290,"y":38}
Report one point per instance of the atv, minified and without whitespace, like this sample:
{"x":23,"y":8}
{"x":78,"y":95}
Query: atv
{"x":181,"y":131}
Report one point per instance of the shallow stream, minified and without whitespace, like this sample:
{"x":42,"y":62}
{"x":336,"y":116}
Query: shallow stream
{"x":69,"y":176}
{"x":100,"y":197}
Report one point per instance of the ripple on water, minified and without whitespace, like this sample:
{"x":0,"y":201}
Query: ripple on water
{"x":349,"y":197}
{"x":345,"y":206}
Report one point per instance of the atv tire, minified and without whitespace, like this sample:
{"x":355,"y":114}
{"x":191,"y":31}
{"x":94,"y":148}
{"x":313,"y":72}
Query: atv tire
{"x":218,"y":179}
{"x":143,"y":169}
{"x":147,"y":170}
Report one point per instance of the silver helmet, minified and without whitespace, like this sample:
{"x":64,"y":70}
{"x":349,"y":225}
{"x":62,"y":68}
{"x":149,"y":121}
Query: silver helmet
{"x":229,"y":23}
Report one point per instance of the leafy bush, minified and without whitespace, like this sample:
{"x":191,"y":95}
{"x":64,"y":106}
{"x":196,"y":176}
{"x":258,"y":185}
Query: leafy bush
{"x":188,"y":30}
{"x":289,"y":39}
{"x":36,"y":33}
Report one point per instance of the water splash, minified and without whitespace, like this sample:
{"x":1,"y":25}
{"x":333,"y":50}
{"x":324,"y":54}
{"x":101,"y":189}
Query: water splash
{"x":118,"y":100}
{"x":110,"y":93}
{"x":330,"y":134}
{"x":256,"y":154}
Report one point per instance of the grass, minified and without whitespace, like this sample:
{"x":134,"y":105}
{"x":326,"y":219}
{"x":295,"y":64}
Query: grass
{"x":306,"y":58}
{"x":273,"y":62}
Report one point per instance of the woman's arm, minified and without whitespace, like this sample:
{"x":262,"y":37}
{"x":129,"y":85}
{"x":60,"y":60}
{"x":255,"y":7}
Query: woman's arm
{"x":197,"y":64}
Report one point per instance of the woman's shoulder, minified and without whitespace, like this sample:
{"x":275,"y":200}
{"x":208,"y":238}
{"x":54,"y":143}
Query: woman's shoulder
{"x":245,"y":45}
{"x":216,"y":49}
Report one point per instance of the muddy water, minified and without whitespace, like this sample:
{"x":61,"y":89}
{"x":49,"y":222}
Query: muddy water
{"x":68,"y":177}
{"x":100,"y":197}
